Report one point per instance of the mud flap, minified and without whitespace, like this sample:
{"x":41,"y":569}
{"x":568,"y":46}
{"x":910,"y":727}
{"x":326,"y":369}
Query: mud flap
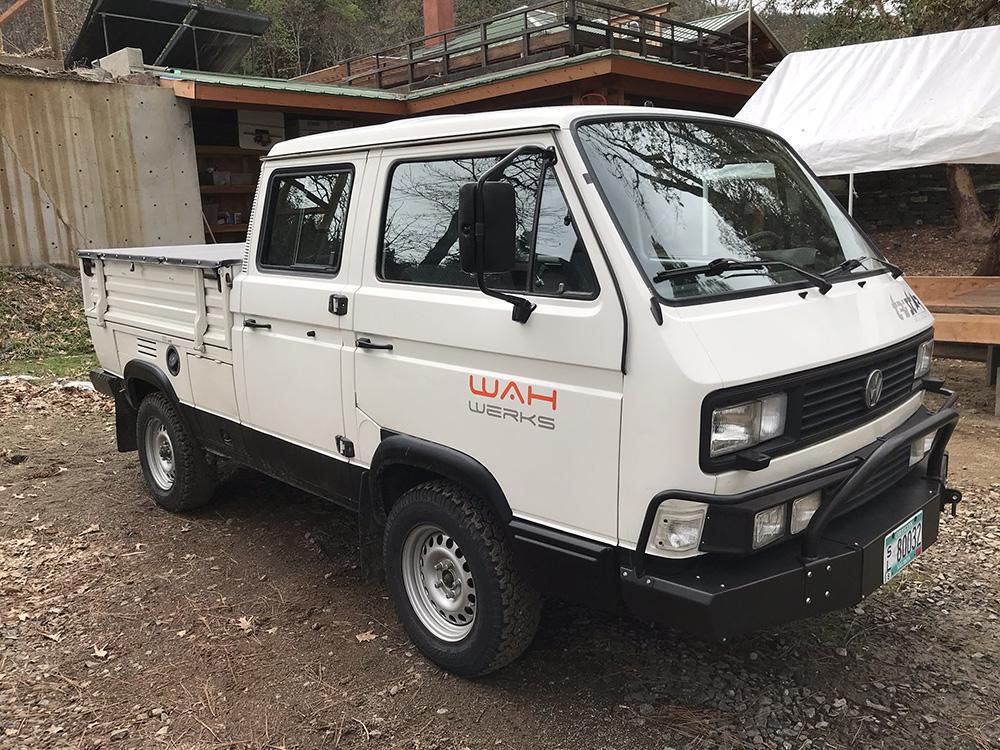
{"x":370,"y":530}
{"x":125,"y":419}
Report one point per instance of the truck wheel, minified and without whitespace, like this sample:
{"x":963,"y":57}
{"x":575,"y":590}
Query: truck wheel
{"x":453,"y":581}
{"x":174,"y":466}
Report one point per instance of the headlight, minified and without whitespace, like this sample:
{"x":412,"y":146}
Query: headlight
{"x":803,"y":509}
{"x":768,"y":525}
{"x":677,"y":528}
{"x":924,"y":354}
{"x":920,"y":448}
{"x":744,"y":425}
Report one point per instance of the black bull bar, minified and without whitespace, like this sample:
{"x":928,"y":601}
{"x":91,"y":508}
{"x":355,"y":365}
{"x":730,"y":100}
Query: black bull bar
{"x":834,"y":564}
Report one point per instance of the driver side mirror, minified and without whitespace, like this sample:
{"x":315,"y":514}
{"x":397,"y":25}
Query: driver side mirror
{"x":493,"y":209}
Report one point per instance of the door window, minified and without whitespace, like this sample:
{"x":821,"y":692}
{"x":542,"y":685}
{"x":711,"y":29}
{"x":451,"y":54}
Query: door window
{"x":419,"y":242}
{"x":306,"y":221}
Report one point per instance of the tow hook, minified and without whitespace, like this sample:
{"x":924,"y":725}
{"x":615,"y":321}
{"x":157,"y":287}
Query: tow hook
{"x":951,"y":497}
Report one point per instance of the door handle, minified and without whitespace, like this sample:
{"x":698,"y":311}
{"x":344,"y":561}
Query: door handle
{"x":367,"y":344}
{"x":251,"y":323}
{"x":338,"y":304}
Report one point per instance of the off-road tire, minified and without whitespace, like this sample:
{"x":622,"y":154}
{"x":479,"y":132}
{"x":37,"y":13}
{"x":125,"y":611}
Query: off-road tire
{"x":194,"y":477}
{"x":508,"y":609}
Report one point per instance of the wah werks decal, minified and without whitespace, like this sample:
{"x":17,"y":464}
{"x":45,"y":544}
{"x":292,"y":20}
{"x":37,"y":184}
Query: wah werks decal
{"x":513,"y":401}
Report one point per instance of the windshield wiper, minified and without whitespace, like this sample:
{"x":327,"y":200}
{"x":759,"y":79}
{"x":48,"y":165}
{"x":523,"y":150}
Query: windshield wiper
{"x":722,"y":265}
{"x":851,"y":263}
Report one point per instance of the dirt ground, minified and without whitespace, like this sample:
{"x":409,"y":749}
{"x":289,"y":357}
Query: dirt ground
{"x":247,"y":625}
{"x":929,"y":250}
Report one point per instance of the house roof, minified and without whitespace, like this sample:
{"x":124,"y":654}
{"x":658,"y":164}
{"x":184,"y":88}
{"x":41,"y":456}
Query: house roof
{"x":729,"y":22}
{"x":229,"y":89}
{"x":273,"y":84}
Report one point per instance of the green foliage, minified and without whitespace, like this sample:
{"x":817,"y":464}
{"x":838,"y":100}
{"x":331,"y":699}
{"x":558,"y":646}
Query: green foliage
{"x":307,"y":35}
{"x":304,"y":34}
{"x":58,"y":366}
{"x":39,"y":318}
{"x":855,"y":21}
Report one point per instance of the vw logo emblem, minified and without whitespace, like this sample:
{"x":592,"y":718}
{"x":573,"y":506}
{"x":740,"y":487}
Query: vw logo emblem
{"x":873,"y":388}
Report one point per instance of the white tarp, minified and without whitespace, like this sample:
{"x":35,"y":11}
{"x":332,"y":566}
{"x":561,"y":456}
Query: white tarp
{"x":888,"y":105}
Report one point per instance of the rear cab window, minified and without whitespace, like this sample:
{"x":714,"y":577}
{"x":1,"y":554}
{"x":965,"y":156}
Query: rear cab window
{"x":419,"y":234}
{"x":306,"y":220}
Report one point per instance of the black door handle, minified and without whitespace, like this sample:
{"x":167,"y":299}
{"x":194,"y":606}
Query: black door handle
{"x":367,"y":344}
{"x":251,"y":323}
{"x":338,"y":304}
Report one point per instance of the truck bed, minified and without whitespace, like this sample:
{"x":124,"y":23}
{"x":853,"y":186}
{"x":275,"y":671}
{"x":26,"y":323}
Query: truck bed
{"x":200,"y":256}
{"x":180,"y":292}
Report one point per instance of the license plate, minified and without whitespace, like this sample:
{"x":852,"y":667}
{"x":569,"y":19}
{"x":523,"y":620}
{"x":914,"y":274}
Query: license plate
{"x":903,"y":545}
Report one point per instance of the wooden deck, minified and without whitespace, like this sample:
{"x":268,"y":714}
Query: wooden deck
{"x":966,"y":318}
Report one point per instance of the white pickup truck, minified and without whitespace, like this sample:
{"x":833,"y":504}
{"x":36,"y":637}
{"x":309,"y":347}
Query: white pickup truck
{"x":608,"y":355}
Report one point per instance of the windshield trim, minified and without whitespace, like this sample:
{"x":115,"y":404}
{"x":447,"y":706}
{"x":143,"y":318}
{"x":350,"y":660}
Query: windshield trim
{"x":722,"y":296}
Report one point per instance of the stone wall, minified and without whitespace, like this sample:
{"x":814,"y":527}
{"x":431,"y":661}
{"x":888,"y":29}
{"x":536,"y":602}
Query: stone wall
{"x":912,"y":197}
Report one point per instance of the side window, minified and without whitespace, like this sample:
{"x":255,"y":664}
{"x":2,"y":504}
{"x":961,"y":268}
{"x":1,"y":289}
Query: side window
{"x":419,"y":241}
{"x":307,"y":220}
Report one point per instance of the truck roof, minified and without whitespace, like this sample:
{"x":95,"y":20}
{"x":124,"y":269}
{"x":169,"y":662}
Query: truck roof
{"x":438,"y":127}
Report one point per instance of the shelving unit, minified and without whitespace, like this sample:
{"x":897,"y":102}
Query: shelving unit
{"x":232,"y":202}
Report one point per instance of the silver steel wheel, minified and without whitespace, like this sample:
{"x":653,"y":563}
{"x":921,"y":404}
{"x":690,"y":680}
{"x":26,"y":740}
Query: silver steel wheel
{"x":439,"y":583}
{"x":160,"y":454}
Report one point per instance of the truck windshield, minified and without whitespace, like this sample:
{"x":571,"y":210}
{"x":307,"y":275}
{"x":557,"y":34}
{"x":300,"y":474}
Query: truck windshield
{"x":686,"y":193}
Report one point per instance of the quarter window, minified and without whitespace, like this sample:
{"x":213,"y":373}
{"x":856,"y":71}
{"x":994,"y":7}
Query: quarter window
{"x":307,"y":221}
{"x":420,"y":232}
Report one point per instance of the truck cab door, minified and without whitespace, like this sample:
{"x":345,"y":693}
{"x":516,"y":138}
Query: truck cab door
{"x":537,"y":404}
{"x":291,"y":307}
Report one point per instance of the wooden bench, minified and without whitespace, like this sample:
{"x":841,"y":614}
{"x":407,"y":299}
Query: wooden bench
{"x":966,"y":318}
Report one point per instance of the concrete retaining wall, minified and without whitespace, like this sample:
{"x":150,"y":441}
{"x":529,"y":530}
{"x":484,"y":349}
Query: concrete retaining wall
{"x":85,"y":164}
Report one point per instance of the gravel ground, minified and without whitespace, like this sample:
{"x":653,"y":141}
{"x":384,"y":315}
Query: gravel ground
{"x":247,"y":625}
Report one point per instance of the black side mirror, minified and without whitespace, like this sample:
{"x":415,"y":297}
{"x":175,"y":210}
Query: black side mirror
{"x":487,"y":225}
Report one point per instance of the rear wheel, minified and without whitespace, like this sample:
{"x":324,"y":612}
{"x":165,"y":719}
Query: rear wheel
{"x":177,"y":472}
{"x":453,"y":582}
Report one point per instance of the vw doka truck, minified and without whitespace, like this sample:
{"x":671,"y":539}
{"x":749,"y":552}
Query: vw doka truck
{"x":620,"y":356}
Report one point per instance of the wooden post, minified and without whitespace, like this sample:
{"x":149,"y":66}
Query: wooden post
{"x":750,"y":39}
{"x":52,"y":28}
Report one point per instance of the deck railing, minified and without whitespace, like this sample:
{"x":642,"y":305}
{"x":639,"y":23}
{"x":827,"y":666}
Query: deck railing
{"x":543,"y":31}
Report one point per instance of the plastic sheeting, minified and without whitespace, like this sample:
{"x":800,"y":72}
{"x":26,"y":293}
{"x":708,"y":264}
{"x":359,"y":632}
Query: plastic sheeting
{"x":888,"y":105}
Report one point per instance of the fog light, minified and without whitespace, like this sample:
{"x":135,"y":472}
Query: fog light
{"x":803,"y":510}
{"x":768,"y":525}
{"x":677,"y":528}
{"x":920,"y":448}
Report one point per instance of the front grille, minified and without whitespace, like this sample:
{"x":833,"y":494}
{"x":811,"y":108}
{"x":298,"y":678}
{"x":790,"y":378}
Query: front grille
{"x":822,"y":403}
{"x":833,"y":401}
{"x":892,"y":470}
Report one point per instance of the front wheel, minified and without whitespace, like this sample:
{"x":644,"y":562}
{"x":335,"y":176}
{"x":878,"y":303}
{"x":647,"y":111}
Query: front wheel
{"x":174,"y":465}
{"x":453,"y":581}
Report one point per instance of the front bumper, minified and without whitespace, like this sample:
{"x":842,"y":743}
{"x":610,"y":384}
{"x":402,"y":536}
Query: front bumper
{"x":835,"y":564}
